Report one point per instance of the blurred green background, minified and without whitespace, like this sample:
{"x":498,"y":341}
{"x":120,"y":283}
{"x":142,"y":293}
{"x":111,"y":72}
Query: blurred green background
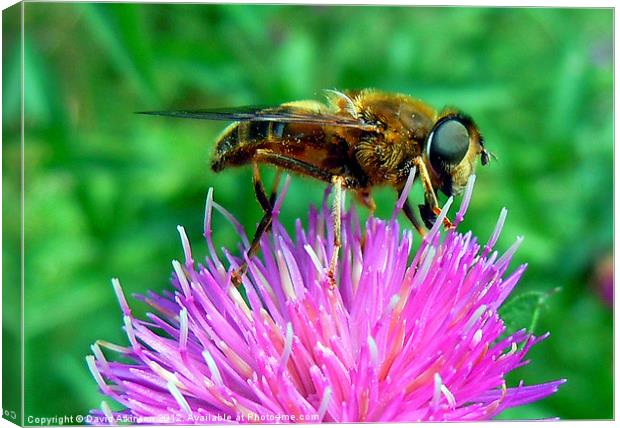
{"x":105,"y":188}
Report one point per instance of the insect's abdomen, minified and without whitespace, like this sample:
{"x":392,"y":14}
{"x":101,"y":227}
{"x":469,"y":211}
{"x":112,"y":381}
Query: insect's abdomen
{"x":238,"y":143}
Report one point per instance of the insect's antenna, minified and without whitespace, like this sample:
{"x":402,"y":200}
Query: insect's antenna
{"x":487,"y":155}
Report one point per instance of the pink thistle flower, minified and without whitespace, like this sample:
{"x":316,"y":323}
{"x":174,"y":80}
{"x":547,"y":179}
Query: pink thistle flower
{"x":406,"y":336}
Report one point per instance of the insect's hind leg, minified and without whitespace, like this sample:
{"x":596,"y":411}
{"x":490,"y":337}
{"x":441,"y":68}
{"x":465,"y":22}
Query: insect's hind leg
{"x":339,"y":182}
{"x":259,"y":190}
{"x":274,"y":187}
{"x":266,"y":204}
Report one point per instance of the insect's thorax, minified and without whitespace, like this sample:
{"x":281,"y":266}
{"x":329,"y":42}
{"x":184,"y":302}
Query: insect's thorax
{"x":404,"y":123}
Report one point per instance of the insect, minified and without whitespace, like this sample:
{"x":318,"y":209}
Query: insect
{"x":356,"y":140}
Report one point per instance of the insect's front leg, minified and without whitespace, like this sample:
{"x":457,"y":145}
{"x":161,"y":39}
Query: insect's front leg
{"x":430,"y":210}
{"x":428,"y":216}
{"x":366,"y":199}
{"x":412,"y":218}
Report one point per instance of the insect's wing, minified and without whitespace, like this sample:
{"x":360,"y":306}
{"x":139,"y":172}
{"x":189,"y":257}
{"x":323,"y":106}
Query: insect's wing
{"x":287,"y":114}
{"x":245,"y":113}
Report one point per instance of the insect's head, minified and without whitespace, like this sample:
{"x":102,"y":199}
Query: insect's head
{"x":451,"y":150}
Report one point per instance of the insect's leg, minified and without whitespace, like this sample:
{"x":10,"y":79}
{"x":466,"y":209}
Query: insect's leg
{"x":339,"y":182}
{"x":305,"y":168}
{"x":429,"y":193}
{"x":292,"y":164}
{"x":336,"y":215}
{"x":428,"y":215}
{"x":285,"y":162}
{"x":263,"y":226}
{"x":274,"y":187}
{"x":412,"y":218}
{"x":265,"y":202}
{"x":364,"y":197}
{"x":259,"y":189}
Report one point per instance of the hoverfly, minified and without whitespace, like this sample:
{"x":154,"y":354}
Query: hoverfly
{"x":356,"y":140}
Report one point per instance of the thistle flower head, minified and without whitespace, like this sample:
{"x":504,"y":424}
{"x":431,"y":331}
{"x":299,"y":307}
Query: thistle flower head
{"x":408,"y":334}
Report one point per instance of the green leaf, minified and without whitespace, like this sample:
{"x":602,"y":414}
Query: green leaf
{"x":524,"y":310}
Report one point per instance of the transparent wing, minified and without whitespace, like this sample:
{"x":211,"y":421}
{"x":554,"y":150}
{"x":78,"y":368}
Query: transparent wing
{"x":286,"y":114}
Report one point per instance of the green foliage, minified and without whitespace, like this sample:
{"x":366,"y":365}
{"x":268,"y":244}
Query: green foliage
{"x":524,"y":310}
{"x":105,"y":188}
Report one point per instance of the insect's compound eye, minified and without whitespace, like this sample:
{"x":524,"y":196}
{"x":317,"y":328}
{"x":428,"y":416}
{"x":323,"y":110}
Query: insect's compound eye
{"x":447,"y":145}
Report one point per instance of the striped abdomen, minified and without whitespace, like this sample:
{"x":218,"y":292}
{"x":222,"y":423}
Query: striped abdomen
{"x":311,"y":143}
